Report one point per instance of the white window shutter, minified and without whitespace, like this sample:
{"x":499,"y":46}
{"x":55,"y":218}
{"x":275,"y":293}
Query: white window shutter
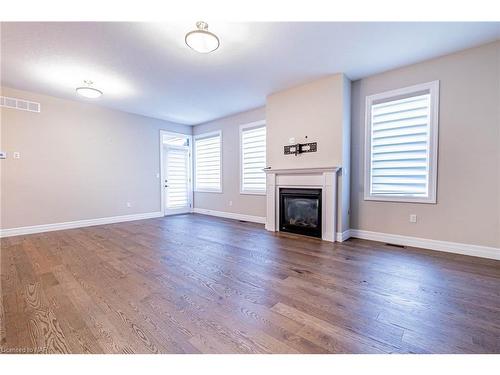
{"x":400,"y":147}
{"x":401,"y":157}
{"x":207,"y":151}
{"x":177,"y":177}
{"x":253,"y":159}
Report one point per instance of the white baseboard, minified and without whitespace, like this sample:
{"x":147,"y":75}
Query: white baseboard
{"x":231,"y":215}
{"x":450,"y":247}
{"x":76,"y":224}
{"x":343,"y":236}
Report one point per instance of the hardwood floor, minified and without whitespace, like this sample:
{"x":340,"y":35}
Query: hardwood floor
{"x":199,"y":284}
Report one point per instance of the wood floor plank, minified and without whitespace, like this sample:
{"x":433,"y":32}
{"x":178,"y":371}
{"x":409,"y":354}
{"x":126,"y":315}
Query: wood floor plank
{"x":199,"y":284}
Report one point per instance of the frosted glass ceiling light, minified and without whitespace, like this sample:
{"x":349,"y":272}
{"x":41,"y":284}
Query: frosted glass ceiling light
{"x":88,"y":91}
{"x":202,"y":40}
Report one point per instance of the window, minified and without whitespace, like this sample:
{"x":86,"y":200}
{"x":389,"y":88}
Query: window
{"x":401,"y":144}
{"x":207,"y":167}
{"x":253,"y":158}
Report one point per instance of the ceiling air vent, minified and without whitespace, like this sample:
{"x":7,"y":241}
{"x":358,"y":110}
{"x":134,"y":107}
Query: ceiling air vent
{"x":21,"y":104}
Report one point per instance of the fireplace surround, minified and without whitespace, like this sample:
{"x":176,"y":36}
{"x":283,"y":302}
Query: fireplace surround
{"x":322,"y":179}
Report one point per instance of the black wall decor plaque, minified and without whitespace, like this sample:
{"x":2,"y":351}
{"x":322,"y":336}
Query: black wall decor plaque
{"x":301,"y":148}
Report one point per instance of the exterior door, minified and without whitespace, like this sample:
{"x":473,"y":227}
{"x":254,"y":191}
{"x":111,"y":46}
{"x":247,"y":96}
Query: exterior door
{"x":177,"y":184}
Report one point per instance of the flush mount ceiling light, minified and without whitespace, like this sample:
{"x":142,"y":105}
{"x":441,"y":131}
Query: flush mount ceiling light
{"x":202,"y":40}
{"x":88,"y":91}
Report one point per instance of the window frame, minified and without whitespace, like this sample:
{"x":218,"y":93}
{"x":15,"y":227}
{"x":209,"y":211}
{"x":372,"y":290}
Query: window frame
{"x":433,"y":89}
{"x":204,"y":136}
{"x":243,"y":127}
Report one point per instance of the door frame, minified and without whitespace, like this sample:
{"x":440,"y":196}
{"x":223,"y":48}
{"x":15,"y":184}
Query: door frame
{"x":162,"y":168}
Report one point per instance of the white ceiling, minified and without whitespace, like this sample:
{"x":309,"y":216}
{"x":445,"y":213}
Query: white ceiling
{"x":146,"y":68}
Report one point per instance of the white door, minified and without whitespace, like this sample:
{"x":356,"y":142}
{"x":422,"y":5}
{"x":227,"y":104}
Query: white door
{"x":177,"y":184}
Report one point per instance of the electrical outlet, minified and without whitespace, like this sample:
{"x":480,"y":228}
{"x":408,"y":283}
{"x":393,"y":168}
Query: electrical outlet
{"x":413,"y":218}
{"x":16,"y":155}
{"x":129,"y":204}
{"x":230,"y":203}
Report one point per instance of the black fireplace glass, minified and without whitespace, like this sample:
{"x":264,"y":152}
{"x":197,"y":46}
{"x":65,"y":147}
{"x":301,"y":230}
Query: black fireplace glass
{"x":300,"y":211}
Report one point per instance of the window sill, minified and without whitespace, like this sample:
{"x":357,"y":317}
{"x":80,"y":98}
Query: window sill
{"x":207,"y":191}
{"x":253,"y":193}
{"x":430,"y":200}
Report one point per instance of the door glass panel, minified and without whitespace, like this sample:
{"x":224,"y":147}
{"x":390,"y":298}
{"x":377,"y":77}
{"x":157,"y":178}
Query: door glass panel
{"x":177,"y":177}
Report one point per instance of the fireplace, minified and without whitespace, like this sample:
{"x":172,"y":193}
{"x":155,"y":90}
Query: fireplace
{"x":300,"y":211}
{"x":322,"y":182}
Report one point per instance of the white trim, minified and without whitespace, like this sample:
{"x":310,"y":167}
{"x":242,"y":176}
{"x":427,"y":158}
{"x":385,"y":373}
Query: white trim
{"x":162,"y":173}
{"x":77,"y":224}
{"x":231,"y":215}
{"x":162,"y":170}
{"x":343,"y":236}
{"x":207,"y":134}
{"x":251,"y":125}
{"x":255,"y":124}
{"x":208,"y":191}
{"x":450,"y":247}
{"x":253,"y":193}
{"x":202,"y":136}
{"x":433,"y":89}
{"x":302,"y":170}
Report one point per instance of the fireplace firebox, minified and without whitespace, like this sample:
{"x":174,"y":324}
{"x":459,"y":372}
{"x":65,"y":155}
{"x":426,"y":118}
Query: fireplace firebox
{"x":300,"y":211}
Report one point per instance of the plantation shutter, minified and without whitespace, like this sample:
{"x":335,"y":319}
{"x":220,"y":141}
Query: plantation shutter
{"x":208,"y":163}
{"x":400,"y":136}
{"x":177,"y":177}
{"x":253,"y":159}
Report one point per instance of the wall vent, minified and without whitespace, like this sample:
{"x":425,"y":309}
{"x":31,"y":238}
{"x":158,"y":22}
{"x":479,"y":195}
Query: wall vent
{"x":21,"y":104}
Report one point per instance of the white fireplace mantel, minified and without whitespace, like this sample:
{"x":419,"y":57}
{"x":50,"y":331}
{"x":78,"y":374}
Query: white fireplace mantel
{"x":318,"y":178}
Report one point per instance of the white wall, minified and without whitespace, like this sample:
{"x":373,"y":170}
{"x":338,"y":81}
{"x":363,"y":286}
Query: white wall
{"x":313,"y":110}
{"x":468,"y":187}
{"x":245,"y":204}
{"x":316,"y":111}
{"x":78,"y":161}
